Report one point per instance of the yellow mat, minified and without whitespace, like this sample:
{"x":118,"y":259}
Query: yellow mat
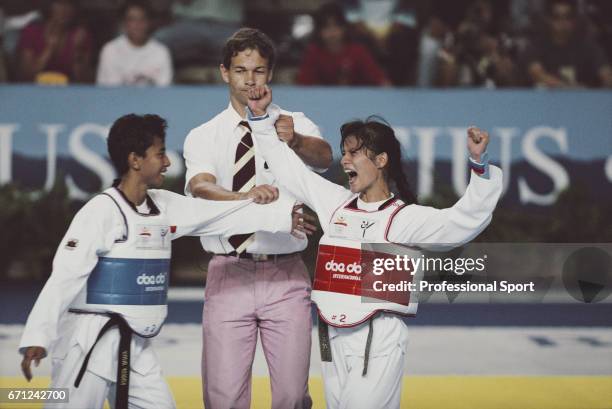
{"x":423,"y":392}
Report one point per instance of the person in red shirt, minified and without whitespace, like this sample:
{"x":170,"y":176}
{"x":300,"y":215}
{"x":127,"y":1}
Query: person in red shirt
{"x":333,"y":59}
{"x":55,"y":44}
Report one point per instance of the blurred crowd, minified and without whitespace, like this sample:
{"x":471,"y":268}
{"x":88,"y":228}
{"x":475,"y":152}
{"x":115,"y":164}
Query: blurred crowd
{"x":418,"y":43}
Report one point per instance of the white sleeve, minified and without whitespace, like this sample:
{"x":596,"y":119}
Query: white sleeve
{"x":166,"y":74}
{"x":199,"y":152}
{"x":107,"y":74}
{"x":441,"y":229}
{"x":92,"y":231}
{"x":291,"y":173}
{"x":201,"y":217}
{"x":305,"y":125}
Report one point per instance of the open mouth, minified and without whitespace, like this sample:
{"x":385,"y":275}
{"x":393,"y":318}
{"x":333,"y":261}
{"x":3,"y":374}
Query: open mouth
{"x":351,"y":175}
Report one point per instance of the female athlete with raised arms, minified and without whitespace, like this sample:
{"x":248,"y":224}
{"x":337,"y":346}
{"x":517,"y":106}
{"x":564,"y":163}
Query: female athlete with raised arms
{"x":367,"y":340}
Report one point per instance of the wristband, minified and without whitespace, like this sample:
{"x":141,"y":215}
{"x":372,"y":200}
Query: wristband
{"x":480,"y":168}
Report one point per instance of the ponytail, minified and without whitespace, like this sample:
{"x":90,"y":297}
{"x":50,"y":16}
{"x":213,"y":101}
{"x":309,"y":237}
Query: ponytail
{"x":396,"y":173}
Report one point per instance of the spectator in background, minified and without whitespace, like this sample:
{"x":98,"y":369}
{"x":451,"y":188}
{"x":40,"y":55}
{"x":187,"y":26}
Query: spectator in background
{"x":563,"y":57}
{"x":432,"y":57}
{"x":333,"y":58}
{"x":482,"y":51}
{"x":134,"y":58}
{"x":200,"y":28}
{"x":56,"y":47}
{"x":525,"y":15}
{"x":599,"y":13}
{"x":388,"y":28}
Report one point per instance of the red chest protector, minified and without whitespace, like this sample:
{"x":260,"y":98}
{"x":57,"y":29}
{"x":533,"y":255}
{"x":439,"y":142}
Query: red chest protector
{"x":349,"y":285}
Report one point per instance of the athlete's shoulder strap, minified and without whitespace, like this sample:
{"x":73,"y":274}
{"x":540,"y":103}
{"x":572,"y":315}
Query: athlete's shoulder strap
{"x":127,"y":229}
{"x":400,"y":205}
{"x":342,"y":205}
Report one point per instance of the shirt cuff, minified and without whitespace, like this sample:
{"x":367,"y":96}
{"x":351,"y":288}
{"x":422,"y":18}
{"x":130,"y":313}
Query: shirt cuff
{"x":263,"y":128}
{"x":272,"y":113}
{"x":480,"y":168}
{"x":36,"y":340}
{"x":253,"y":117}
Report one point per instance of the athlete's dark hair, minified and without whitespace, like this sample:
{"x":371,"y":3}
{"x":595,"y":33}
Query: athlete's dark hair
{"x":377,"y":136}
{"x":133,"y":133}
{"x":249,"y":38}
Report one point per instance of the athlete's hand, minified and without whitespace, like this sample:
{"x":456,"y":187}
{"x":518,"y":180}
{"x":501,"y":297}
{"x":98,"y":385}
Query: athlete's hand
{"x":31,"y":354}
{"x":259,"y":98}
{"x":300,"y":222}
{"x":286,"y":131}
{"x":263,"y":194}
{"x":477,"y":142}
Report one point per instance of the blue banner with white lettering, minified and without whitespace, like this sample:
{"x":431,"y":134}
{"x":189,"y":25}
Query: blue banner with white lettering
{"x":545,"y":141}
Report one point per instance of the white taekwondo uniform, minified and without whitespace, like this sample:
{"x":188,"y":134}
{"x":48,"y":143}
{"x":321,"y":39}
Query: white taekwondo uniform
{"x":347,"y":385}
{"x":108,"y":239}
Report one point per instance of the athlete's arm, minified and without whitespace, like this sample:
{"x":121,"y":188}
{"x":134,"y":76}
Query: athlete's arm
{"x":316,"y":192}
{"x":204,"y":185}
{"x":420,"y":225}
{"x":197,"y":217}
{"x":92,"y":231}
{"x":443,"y":228}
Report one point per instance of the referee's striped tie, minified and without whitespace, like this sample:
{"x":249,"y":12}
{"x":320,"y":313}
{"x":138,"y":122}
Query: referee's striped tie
{"x":244,"y":180}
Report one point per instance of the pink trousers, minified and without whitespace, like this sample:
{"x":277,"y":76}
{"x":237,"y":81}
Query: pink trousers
{"x":242,"y":298}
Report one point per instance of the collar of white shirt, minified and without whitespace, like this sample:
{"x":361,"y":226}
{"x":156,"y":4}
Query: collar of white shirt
{"x":231,"y":117}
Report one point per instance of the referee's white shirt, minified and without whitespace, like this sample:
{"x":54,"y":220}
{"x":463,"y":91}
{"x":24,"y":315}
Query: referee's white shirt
{"x":211,"y":148}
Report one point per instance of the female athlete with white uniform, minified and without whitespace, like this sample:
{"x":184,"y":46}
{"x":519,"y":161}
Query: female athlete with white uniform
{"x":367,"y":340}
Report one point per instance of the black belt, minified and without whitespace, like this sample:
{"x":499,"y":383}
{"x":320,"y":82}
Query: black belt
{"x":256,"y":256}
{"x":123,"y":361}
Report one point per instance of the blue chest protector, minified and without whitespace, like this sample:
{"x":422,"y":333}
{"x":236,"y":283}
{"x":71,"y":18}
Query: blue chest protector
{"x":132,"y":278}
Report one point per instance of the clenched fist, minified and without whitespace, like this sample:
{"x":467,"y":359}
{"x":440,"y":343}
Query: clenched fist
{"x":285,"y":130}
{"x":259,"y":99}
{"x":477,"y":142}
